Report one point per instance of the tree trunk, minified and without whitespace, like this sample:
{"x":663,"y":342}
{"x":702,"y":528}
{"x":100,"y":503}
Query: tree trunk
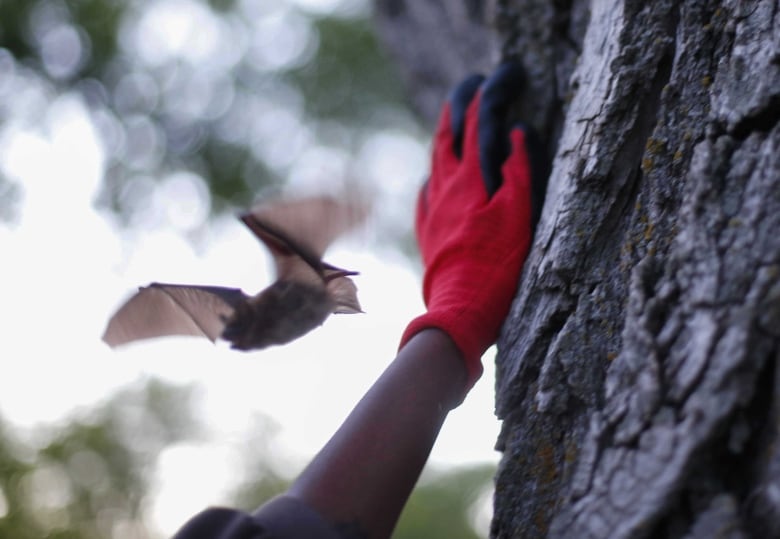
{"x":636,"y":373}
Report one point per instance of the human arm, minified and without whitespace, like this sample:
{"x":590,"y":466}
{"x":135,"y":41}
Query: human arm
{"x":363,"y":476}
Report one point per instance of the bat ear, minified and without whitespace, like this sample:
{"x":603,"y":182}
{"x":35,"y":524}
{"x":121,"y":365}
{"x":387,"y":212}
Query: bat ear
{"x":344,"y":292}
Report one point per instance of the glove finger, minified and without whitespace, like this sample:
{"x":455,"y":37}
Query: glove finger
{"x":448,"y":140}
{"x":526,"y":172}
{"x":459,"y":99}
{"x":498,"y":93}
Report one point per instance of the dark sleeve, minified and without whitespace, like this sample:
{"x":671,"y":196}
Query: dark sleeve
{"x":222,"y":523}
{"x":283,"y":517}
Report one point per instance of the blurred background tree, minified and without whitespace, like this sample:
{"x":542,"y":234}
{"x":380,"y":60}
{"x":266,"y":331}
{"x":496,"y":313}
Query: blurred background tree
{"x":212,"y":103}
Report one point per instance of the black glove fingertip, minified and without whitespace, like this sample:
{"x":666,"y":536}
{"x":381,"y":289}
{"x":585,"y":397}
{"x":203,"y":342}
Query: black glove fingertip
{"x":504,"y":85}
{"x":493,"y":151}
{"x":498,"y":94}
{"x":460,"y":98}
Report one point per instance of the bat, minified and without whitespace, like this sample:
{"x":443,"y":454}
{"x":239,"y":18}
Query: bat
{"x":306,"y":291}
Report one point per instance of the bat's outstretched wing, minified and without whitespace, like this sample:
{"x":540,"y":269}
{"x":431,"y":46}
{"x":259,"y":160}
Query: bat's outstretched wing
{"x":303,"y":227}
{"x":171,"y":309}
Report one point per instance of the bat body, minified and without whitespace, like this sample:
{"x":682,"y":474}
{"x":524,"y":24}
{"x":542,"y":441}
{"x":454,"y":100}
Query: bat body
{"x":281,"y":313}
{"x":306,"y":292}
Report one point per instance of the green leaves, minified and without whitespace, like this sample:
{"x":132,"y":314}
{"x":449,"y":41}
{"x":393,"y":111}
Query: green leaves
{"x":349,"y":79}
{"x":81,"y":479}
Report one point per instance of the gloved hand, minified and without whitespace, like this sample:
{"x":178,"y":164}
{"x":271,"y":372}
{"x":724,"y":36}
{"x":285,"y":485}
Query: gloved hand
{"x":476,"y":214}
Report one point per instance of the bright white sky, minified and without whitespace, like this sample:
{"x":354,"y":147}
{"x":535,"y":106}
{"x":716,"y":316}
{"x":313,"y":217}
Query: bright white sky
{"x":66,"y":268}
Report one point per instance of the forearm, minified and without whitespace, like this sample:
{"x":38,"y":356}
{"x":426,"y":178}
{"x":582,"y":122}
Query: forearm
{"x":365,"y":473}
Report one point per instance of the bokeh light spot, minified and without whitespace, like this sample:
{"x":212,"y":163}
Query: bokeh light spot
{"x":88,"y":470}
{"x":171,"y":29}
{"x":136,"y":92}
{"x":47,"y":487}
{"x":393,"y":160}
{"x":63,"y":50}
{"x":185,"y":200}
{"x":283,"y":40}
{"x":7,"y":71}
{"x":279,"y":137}
{"x":3,"y":503}
{"x":144,"y":144}
{"x":344,"y":8}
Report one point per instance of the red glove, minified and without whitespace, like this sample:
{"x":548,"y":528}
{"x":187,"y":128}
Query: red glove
{"x":475,"y":215}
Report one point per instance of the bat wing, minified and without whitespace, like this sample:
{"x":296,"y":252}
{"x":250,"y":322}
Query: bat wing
{"x":303,"y":227}
{"x":169,"y":309}
{"x":289,"y":254}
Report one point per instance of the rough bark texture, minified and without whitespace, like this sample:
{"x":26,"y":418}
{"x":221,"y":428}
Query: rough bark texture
{"x":637,"y":378}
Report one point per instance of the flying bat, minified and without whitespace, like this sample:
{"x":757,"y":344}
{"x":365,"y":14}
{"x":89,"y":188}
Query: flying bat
{"x":307,"y":289}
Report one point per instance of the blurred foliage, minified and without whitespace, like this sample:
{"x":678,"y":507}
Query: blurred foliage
{"x":348,"y":80}
{"x":262,"y":479}
{"x":440,"y":507}
{"x":235,"y":93}
{"x":93,"y":477}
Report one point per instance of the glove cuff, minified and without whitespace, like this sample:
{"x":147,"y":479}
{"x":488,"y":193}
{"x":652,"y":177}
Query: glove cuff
{"x":471,"y":350}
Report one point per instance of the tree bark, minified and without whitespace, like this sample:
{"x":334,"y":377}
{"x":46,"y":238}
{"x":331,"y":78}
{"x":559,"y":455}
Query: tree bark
{"x":636,"y":373}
